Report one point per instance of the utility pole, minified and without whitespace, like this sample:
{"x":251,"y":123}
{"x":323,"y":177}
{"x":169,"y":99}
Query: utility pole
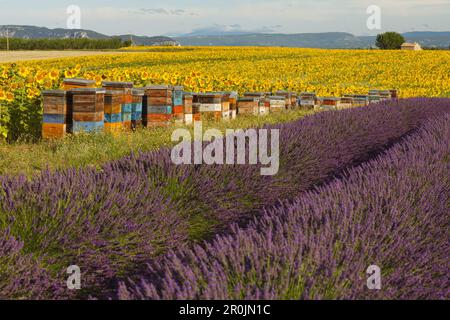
{"x":7,"y":39}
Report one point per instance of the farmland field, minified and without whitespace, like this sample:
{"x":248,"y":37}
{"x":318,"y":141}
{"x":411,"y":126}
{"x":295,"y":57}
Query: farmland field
{"x":15,"y":56}
{"x":355,"y":187}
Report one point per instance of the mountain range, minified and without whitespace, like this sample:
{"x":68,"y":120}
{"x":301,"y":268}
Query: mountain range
{"x":308,"y":40}
{"x":32,"y":32}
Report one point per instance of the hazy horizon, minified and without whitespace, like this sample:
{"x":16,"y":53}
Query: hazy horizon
{"x":174,"y":17}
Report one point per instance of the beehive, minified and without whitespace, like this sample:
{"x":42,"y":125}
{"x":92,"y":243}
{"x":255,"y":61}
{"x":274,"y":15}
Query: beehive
{"x":374,"y":98}
{"x":287,"y":96}
{"x":385,"y":95}
{"x":75,"y":83}
{"x":308,"y":100}
{"x":177,"y":102}
{"x":57,"y":118}
{"x":328,"y":103}
{"x":125,"y":88}
{"x":136,"y":108}
{"x":88,"y":109}
{"x":188,"y":110}
{"x":248,"y":106}
{"x":211,"y":106}
{"x":345,"y":103}
{"x":233,"y":105}
{"x":394,"y":94}
{"x":113,"y":111}
{"x":157,"y":107}
{"x":277,"y":103}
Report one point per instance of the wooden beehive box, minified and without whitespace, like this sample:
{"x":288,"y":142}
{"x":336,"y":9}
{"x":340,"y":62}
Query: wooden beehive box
{"x":177,"y":97}
{"x":136,"y":108}
{"x":248,"y":106}
{"x":88,"y":109}
{"x":329,"y":103}
{"x":74,"y":83}
{"x":345,"y":102}
{"x":277,"y":103}
{"x":57,"y":118}
{"x":394,"y":93}
{"x":157,"y":105}
{"x":385,"y":95}
{"x":308,"y":100}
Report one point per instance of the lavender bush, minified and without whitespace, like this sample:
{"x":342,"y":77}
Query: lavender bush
{"x":391,"y":212}
{"x":110,"y":221}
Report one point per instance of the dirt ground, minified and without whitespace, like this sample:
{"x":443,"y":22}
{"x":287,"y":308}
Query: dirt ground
{"x":13,"y":56}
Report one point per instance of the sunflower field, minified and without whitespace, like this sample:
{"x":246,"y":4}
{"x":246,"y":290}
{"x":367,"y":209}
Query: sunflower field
{"x":203,"y":69}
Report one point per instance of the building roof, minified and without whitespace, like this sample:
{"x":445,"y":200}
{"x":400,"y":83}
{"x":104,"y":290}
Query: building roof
{"x":408,"y":44}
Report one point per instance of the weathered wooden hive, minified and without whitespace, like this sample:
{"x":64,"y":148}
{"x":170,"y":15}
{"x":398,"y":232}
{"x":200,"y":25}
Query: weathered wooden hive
{"x":113,"y":111}
{"x":57,"y":116}
{"x":88,"y":109}
{"x":277,"y":103}
{"x":125,"y":88}
{"x":308,"y":100}
{"x":248,"y":106}
{"x":136,"y":108}
{"x":177,"y":102}
{"x":157,"y":108}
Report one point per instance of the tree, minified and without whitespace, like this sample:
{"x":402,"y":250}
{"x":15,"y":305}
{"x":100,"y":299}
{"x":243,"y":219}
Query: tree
{"x":390,"y":41}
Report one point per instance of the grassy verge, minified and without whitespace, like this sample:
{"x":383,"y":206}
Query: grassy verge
{"x":96,"y":149}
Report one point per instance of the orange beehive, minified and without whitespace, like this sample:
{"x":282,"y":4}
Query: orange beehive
{"x":57,"y":116}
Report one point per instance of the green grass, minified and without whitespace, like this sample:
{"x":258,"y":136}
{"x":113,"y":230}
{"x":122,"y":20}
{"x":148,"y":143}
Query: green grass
{"x":77,"y":151}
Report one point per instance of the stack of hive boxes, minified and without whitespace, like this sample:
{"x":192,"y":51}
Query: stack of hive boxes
{"x":385,"y":95}
{"x":263,"y":106}
{"x":248,"y":106}
{"x":277,"y":103}
{"x":345,"y":102}
{"x":125,"y":89}
{"x":360,"y":100}
{"x":57,"y":118}
{"x":212,"y":106}
{"x":308,"y":100}
{"x":328,"y":103}
{"x":178,"y":106}
{"x":374,"y":96}
{"x":136,"y":108}
{"x":291,"y":98}
{"x":188,"y":108}
{"x":233,"y":104}
{"x":88,"y":109}
{"x":157,"y":108}
{"x":113,"y":111}
{"x":394,"y":94}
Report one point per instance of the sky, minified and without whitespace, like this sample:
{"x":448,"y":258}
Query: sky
{"x":175,"y":17}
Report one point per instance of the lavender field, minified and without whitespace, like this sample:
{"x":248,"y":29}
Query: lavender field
{"x":356,"y":187}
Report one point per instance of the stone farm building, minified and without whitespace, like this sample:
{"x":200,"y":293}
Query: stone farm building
{"x":411,"y":46}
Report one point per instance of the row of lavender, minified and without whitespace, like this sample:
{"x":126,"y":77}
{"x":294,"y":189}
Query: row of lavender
{"x":110,"y":222}
{"x":391,"y":212}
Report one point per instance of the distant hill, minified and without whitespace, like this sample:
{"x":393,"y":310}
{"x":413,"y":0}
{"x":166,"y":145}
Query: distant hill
{"x":307,"y":40}
{"x":310,"y":40}
{"x":32,"y":32}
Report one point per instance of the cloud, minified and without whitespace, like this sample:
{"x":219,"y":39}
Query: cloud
{"x":221,"y":29}
{"x":163,"y":11}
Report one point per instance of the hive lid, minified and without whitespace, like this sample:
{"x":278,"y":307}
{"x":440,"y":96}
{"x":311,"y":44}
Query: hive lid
{"x":53,"y":92}
{"x":78,"y":81}
{"x":248,"y":99}
{"x":117,"y":84}
{"x":88,"y":90}
{"x":158,"y":87}
{"x":277,"y":97}
{"x":138,"y":91}
{"x":178,"y":88}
